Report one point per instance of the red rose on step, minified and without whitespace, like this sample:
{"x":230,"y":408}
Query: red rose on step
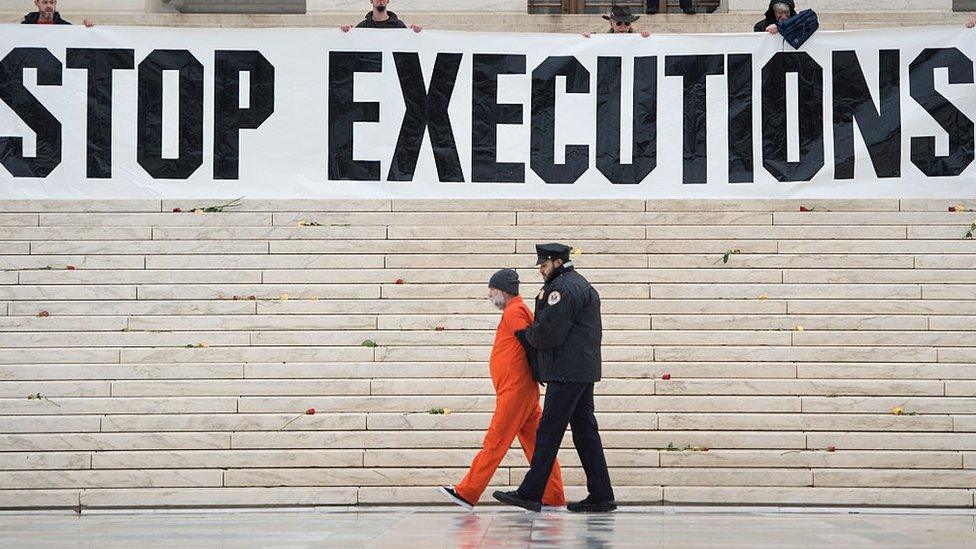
{"x":310,"y":412}
{"x":43,"y":314}
{"x":439,"y":329}
{"x":235,"y":298}
{"x":177,"y":210}
{"x":71,"y":267}
{"x":705,"y":449}
{"x":399,"y":281}
{"x":831,"y":448}
{"x":666,"y":376}
{"x":804,"y":209}
{"x":251,"y":298}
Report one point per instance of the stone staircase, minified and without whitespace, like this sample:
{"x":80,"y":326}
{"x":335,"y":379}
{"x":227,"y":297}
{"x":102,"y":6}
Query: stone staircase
{"x":830,"y":363}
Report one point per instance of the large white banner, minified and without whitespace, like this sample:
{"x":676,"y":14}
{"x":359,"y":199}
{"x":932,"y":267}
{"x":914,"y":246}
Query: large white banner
{"x":316,"y":113}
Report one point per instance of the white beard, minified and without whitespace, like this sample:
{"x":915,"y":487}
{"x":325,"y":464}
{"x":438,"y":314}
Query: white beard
{"x":498,"y":301}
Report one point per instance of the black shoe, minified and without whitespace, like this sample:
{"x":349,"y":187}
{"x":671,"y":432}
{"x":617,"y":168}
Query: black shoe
{"x":513,"y":498}
{"x":689,"y":11}
{"x":454,"y":497}
{"x":590,"y":506}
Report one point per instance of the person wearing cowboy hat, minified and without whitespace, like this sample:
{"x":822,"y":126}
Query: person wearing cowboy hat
{"x":621,"y":22}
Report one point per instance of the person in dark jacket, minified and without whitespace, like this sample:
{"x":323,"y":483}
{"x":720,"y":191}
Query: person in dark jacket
{"x":381,"y":18}
{"x":565,"y":338}
{"x":47,"y":14}
{"x":779,"y":10}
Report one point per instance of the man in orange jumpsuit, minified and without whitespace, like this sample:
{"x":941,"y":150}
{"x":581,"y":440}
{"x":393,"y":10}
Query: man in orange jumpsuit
{"x":517,"y":410}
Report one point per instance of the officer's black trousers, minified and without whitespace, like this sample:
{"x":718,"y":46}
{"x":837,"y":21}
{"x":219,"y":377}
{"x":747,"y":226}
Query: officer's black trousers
{"x":568,"y":404}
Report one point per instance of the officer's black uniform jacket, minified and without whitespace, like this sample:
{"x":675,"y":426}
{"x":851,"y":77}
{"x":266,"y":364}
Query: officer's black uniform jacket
{"x":567,"y":330}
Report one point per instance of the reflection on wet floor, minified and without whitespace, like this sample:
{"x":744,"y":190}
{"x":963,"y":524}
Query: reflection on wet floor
{"x":491,"y":527}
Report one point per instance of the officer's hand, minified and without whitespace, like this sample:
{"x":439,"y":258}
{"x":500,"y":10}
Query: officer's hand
{"x":345,"y":28}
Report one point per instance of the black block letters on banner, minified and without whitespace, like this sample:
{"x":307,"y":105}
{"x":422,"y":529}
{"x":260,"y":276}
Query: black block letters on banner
{"x":543,"y":139}
{"x":229,"y":117}
{"x":426,"y":110}
{"x":694,"y":69}
{"x":30,"y":110}
{"x":921,"y":74}
{"x":774,"y":111}
{"x":644,"y":122}
{"x":150,"y":124}
{"x":487,"y":114}
{"x":100,"y":64}
{"x":557,"y":106}
{"x":344,"y":112}
{"x":880,"y":128}
{"x":740,"y":118}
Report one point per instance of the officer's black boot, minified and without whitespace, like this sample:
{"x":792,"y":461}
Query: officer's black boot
{"x":513,"y":498}
{"x":589,"y":506}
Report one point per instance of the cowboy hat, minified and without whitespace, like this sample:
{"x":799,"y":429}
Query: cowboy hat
{"x":618,"y":13}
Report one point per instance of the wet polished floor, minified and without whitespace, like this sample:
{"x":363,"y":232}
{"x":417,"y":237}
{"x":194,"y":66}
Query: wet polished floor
{"x":425,"y":528}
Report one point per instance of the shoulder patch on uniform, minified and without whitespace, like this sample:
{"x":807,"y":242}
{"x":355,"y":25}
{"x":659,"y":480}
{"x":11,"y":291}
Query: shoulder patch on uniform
{"x":554,"y":298}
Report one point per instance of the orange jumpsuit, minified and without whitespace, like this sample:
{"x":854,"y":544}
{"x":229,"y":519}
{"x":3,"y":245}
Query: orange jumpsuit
{"x":517,"y":410}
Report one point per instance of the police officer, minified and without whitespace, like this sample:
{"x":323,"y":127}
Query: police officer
{"x":565,"y":340}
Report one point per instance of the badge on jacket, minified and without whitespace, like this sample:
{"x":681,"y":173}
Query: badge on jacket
{"x":554,"y":298}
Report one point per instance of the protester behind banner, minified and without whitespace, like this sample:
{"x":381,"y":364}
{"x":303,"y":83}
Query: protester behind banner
{"x":47,"y":14}
{"x":621,"y":22}
{"x":381,"y":18}
{"x":779,"y":11}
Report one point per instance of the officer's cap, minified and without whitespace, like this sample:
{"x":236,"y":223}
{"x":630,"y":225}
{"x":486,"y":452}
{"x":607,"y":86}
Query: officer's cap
{"x":545,"y":252}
